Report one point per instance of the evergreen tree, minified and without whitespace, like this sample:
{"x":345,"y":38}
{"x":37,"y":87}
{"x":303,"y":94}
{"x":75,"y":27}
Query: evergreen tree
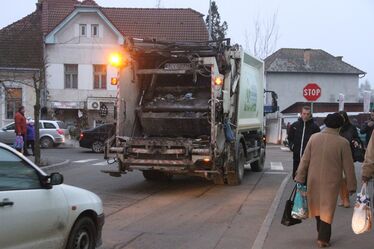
{"x":218,"y":31}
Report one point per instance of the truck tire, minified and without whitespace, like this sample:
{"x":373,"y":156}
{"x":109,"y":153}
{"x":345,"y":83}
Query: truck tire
{"x":155,"y":175}
{"x":236,"y":178}
{"x":258,"y":166}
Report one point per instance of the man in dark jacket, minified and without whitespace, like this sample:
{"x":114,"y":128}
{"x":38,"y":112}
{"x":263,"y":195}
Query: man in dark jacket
{"x":368,"y":127}
{"x":299,"y":134}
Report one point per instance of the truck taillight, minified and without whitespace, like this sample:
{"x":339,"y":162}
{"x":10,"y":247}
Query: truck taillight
{"x":218,"y":80}
{"x":60,"y":131}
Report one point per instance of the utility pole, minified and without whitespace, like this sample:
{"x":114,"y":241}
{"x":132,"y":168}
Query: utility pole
{"x":158,"y":4}
{"x":210,"y":20}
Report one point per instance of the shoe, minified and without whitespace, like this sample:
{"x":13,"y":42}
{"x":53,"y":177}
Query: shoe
{"x":322,"y":244}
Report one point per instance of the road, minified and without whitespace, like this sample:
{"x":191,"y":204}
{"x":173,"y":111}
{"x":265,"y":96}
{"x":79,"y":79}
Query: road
{"x":187,"y":212}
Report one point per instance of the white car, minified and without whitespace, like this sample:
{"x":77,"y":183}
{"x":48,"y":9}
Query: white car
{"x":38,"y":211}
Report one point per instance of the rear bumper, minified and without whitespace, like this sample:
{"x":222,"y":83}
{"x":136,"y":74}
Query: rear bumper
{"x":100,"y":224}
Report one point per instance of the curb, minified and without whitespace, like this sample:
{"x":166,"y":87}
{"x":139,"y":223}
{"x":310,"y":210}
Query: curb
{"x":265,"y":227}
{"x":56,"y":165}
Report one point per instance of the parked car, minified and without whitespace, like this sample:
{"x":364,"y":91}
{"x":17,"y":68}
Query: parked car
{"x":52,"y":133}
{"x":41,"y":212}
{"x":95,"y":138}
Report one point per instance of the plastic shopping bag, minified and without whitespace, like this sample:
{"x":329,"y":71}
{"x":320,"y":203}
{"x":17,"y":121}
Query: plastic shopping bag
{"x":300,"y":207}
{"x":362,"y":214}
{"x":18,"y":143}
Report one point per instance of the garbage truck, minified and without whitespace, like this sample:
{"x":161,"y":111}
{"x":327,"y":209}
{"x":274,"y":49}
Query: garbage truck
{"x":191,"y":109}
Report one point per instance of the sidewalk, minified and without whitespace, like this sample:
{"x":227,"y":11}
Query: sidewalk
{"x":304,"y":235}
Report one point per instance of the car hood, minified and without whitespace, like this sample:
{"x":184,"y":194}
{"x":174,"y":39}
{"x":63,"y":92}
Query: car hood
{"x":82,"y":199}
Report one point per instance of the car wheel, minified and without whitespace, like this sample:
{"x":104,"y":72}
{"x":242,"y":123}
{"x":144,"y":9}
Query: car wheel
{"x":46,"y":142}
{"x":83,"y":235}
{"x":98,"y":147}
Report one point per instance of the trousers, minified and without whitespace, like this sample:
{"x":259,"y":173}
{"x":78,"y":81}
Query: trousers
{"x":323,"y":229}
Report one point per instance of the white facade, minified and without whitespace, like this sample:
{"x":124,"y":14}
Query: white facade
{"x":28,"y":94}
{"x":67,"y":45}
{"x":289,"y":87}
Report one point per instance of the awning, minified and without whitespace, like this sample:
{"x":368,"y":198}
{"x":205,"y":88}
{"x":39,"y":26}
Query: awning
{"x":67,"y":104}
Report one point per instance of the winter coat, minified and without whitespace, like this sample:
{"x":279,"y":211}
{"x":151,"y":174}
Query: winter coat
{"x":326,"y":156}
{"x":368,"y":164}
{"x":349,"y":132}
{"x":20,"y":123}
{"x":30,"y":132}
{"x":298,"y":137}
{"x":366,"y":129}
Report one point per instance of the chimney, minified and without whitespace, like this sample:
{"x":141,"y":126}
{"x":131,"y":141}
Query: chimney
{"x":39,"y":4}
{"x":307,"y":56}
{"x":339,"y":58}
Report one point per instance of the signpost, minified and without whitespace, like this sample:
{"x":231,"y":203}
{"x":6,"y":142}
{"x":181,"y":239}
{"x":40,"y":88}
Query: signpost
{"x":312,"y":92}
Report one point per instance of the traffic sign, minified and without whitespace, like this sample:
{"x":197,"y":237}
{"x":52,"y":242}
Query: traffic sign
{"x":312,"y":92}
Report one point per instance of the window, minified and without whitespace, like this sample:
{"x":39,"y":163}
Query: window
{"x":95,"y":30}
{"x":71,"y":76}
{"x":82,"y":30}
{"x":10,"y":127}
{"x":49,"y":126}
{"x":99,"y":76}
{"x":16,"y":174}
{"x":13,"y":101}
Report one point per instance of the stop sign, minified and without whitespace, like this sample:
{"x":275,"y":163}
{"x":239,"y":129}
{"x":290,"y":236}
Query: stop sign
{"x":312,"y":92}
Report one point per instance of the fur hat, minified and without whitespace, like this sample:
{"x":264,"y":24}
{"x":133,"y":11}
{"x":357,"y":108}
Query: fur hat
{"x":334,"y":120}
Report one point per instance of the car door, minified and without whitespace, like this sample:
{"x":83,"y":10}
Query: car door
{"x":8,"y":135}
{"x":35,"y":217}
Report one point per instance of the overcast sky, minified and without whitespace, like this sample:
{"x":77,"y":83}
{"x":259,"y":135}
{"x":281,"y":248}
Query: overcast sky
{"x":340,"y":27}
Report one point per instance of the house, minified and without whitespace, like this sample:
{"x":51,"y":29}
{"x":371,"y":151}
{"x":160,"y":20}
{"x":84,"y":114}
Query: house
{"x":288,"y":71}
{"x":78,"y":40}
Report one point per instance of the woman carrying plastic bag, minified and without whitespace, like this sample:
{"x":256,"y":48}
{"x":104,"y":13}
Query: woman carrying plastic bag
{"x":327,"y":155}
{"x":300,"y":207}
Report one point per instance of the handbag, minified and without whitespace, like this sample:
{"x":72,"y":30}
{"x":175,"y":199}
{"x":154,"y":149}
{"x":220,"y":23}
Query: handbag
{"x":300,"y":207}
{"x":362,"y":213}
{"x":287,"y":218}
{"x":358,"y":152}
{"x":18,"y":143}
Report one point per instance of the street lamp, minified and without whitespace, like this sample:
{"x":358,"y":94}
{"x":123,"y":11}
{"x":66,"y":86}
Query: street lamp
{"x":116,"y":60}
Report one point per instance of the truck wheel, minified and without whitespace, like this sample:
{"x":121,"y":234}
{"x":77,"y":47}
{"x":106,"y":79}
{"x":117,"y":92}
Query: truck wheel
{"x":236,"y":177}
{"x":258,"y":166}
{"x":155,"y":175}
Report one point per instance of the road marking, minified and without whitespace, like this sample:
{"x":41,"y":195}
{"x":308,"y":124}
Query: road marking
{"x":276,"y":166}
{"x":101,"y":163}
{"x":85,"y":161}
{"x":276,"y":172}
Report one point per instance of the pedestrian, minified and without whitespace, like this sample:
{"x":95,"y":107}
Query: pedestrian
{"x":30,"y":137}
{"x":367,"y":171}
{"x":299,"y":134}
{"x":20,"y":127}
{"x":326,"y":157}
{"x":349,"y":132}
{"x":368,"y":127}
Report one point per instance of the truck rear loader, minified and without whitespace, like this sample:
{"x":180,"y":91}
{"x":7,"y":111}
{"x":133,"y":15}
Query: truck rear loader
{"x":189,"y":109}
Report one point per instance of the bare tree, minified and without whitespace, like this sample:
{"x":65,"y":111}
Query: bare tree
{"x":262,"y":39}
{"x":38,"y":85}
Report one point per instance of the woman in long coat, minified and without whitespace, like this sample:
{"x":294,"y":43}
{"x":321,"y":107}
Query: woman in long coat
{"x":326,"y":156}
{"x":349,"y":132}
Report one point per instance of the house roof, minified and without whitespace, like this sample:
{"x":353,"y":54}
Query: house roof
{"x":323,"y":107}
{"x":21,"y":44}
{"x":292,"y":60}
{"x":159,"y":23}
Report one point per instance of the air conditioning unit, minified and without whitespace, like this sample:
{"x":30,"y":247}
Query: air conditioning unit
{"x":93,"y":105}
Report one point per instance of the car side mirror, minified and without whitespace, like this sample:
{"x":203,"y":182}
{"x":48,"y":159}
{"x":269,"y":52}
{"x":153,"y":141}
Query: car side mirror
{"x":56,"y":179}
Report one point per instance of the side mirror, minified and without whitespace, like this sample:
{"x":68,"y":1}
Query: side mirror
{"x":56,"y":179}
